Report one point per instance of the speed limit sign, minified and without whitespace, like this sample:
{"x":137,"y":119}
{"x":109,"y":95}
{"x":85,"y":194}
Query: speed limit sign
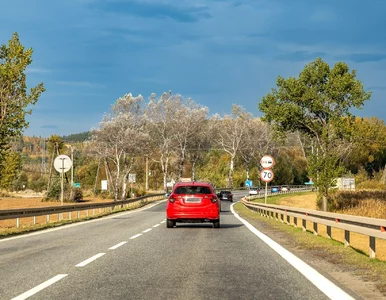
{"x":266,"y":175}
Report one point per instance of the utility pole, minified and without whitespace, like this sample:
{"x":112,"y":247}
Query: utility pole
{"x":72,"y":167}
{"x":147,"y":174}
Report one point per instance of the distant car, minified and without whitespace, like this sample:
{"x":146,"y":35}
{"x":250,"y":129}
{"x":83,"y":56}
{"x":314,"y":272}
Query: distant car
{"x":275,"y":189}
{"x":193,"y":202}
{"x":253,"y":191}
{"x":225,"y":195}
{"x":285,"y":188}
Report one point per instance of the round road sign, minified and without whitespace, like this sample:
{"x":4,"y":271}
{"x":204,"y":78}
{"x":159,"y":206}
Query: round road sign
{"x":267,"y":162}
{"x":62,"y":163}
{"x":267,"y":175}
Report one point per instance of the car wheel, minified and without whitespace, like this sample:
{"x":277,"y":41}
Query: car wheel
{"x":170,"y":224}
{"x":216,"y":224}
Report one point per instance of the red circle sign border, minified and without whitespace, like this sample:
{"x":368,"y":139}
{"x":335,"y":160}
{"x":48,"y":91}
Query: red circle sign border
{"x":271,"y":157}
{"x":261,"y":177}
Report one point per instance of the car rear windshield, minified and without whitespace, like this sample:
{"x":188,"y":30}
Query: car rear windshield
{"x":225,"y":192}
{"x":192,"y":190}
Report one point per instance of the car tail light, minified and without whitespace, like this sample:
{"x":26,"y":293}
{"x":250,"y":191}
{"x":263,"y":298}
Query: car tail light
{"x":172,"y":199}
{"x":212,"y":198}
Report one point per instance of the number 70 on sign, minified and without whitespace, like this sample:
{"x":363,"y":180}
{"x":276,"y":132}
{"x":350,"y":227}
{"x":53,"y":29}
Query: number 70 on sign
{"x":266,"y":175}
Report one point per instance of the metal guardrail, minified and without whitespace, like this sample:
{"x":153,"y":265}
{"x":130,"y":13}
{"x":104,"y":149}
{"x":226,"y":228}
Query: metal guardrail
{"x":47,"y":211}
{"x":371,"y":227}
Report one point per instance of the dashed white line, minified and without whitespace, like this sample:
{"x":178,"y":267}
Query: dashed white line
{"x":156,"y":225}
{"x":163,"y":221}
{"x":117,"y":245}
{"x":135,"y":236}
{"x":147,"y":230}
{"x":40,"y":287}
{"x":91,"y":259}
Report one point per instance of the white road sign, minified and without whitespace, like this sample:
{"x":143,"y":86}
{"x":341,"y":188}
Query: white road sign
{"x":267,"y":162}
{"x":266,"y":175}
{"x":132,"y":178}
{"x":62,"y":163}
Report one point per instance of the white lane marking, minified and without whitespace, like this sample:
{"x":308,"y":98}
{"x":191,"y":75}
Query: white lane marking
{"x":135,"y":236}
{"x":91,"y":259}
{"x":322,"y":283}
{"x":156,"y":225}
{"x":40,"y":287}
{"x":80,"y":223}
{"x":117,"y":245}
{"x":147,"y":230}
{"x":163,"y":221}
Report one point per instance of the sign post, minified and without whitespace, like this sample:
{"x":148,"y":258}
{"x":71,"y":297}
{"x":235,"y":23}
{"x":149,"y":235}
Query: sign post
{"x":62,"y":164}
{"x":267,"y":175}
{"x":132,"y":180}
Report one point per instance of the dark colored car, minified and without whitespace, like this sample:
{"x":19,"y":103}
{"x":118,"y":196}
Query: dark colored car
{"x":275,"y":189}
{"x":193,"y":202}
{"x":225,"y":195}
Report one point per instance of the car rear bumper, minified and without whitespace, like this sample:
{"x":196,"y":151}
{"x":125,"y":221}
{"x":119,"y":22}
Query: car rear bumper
{"x":193,"y":216}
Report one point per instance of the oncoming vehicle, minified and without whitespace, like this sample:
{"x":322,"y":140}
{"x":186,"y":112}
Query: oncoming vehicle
{"x":225,"y":195}
{"x":285,"y":188}
{"x":193,"y":202}
{"x":253,"y":191}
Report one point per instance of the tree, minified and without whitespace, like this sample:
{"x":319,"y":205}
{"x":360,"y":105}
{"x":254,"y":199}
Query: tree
{"x":14,"y":98}
{"x":160,"y":114}
{"x":119,"y":138}
{"x":9,"y":169}
{"x":318,"y":104}
{"x":230,"y":134}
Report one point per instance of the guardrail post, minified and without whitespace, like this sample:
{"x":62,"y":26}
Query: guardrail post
{"x":69,"y":215}
{"x":346,"y":238}
{"x":315,"y":228}
{"x":78,"y":214}
{"x":329,"y":235}
{"x":47,"y":219}
{"x":372,"y":247}
{"x":93,"y":212}
{"x":304,"y":225}
{"x":17,"y":222}
{"x":86,"y":212}
{"x":34,"y":220}
{"x":277,"y":216}
{"x":295,"y":222}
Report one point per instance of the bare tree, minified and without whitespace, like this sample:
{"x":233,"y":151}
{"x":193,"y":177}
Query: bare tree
{"x":230,"y":134}
{"x":119,"y":139}
{"x":257,"y":142}
{"x":188,"y":123}
{"x":160,"y":115}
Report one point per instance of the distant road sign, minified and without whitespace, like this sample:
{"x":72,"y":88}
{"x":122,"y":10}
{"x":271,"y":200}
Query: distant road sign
{"x":76,"y":184}
{"x":267,"y":162}
{"x":267,"y":175}
{"x":248,"y":183}
{"x":62,"y":163}
{"x":132,"y":178}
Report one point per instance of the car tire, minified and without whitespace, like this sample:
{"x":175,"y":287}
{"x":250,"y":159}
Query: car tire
{"x":216,"y":224}
{"x":170,"y":224}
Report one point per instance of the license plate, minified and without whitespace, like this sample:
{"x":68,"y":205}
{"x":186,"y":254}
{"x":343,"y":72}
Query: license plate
{"x":193,"y":200}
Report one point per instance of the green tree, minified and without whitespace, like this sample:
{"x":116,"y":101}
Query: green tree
{"x":318,"y":104}
{"x":9,"y":169}
{"x":14,"y":98}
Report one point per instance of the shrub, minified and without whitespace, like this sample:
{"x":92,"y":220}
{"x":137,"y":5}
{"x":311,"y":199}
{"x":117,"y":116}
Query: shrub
{"x":349,"y":199}
{"x":71,"y":194}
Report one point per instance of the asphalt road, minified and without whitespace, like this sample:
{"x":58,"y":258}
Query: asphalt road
{"x":134,"y":256}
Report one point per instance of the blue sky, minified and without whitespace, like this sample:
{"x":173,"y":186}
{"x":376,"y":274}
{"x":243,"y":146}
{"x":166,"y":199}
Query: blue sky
{"x":88,"y":53}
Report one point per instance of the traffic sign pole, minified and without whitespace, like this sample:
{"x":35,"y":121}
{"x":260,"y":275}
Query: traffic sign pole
{"x":266,"y":192}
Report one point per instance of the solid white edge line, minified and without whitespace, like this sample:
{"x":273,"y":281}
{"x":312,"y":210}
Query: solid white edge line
{"x":117,"y":245}
{"x":91,"y":259}
{"x":40,"y":287}
{"x":163,"y":222}
{"x":322,"y":283}
{"x":147,"y":230}
{"x":156,"y":225}
{"x":135,"y":236}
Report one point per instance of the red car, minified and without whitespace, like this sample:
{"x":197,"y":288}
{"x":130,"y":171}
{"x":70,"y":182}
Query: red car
{"x":193,"y":202}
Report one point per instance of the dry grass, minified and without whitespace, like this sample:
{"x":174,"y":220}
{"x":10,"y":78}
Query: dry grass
{"x":366,"y":208}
